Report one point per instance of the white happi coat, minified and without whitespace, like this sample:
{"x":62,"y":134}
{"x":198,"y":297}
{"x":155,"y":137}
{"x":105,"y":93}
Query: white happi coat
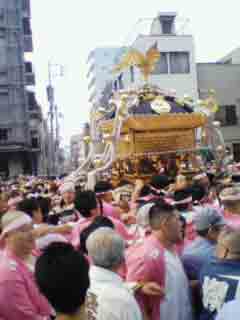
{"x":108,"y":297}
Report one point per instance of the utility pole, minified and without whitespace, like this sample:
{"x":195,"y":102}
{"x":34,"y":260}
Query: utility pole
{"x":54,"y":142}
{"x":50,"y":94}
{"x":57,"y":141}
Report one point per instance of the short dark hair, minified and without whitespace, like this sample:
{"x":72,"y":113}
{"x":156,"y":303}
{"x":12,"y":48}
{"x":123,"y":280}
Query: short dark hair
{"x":45,"y":205}
{"x":198,"y":193}
{"x":28,"y":206}
{"x":98,"y":222}
{"x":62,"y":276}
{"x":103,"y":186}
{"x":85,"y":201}
{"x":158,"y":211}
{"x":202,"y":233}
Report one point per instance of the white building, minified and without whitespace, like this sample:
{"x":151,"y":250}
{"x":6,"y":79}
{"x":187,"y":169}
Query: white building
{"x":100,"y":65}
{"x":232,"y":58}
{"x":176,"y":68}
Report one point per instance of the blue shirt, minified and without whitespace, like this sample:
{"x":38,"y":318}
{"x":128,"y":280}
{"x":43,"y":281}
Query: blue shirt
{"x":195,"y":255}
{"x":220,"y":283}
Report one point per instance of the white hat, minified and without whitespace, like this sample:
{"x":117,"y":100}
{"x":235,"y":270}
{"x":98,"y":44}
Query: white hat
{"x":67,"y":187}
{"x":13,"y":220}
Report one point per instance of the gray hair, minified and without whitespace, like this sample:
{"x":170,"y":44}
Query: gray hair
{"x":106,"y":248}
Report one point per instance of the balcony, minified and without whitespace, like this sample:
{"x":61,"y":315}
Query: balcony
{"x":12,"y":145}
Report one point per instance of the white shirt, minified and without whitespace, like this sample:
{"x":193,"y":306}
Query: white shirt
{"x":108,"y":298}
{"x":176,"y":304}
{"x":230,"y":311}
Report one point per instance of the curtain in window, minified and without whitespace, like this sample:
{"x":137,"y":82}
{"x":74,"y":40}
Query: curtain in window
{"x":179,"y":62}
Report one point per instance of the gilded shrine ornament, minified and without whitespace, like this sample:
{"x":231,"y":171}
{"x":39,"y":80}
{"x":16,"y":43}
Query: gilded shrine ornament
{"x":160,"y":105}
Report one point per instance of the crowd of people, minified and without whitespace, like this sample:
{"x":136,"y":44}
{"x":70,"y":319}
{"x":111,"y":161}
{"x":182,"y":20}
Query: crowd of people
{"x":164,"y":249}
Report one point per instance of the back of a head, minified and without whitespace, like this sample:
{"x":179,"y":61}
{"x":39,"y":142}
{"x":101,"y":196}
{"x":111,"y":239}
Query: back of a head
{"x":158,"y":212}
{"x":106,"y":248}
{"x":198,"y":193}
{"x":182,"y":199}
{"x":98,"y":222}
{"x":85,"y":201}
{"x":62,"y":276}
{"x":230,"y":239}
{"x":230,"y":197}
{"x":45,"y":205}
{"x":28,"y":206}
{"x":103,"y":187}
{"x":208,"y":218}
{"x":160,"y":182}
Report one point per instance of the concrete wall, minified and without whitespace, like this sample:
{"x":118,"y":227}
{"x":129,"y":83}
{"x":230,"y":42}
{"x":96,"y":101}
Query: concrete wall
{"x":225,"y":80}
{"x":102,"y":62}
{"x":15,"y":165}
{"x":232,"y":58}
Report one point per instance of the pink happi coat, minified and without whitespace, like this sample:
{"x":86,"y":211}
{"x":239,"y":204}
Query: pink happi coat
{"x":83,"y":224}
{"x":232,"y":220}
{"x":20,"y":298}
{"x":145,"y":262}
{"x":110,"y":211}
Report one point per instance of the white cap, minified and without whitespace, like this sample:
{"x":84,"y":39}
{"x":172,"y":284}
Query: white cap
{"x":67,"y":187}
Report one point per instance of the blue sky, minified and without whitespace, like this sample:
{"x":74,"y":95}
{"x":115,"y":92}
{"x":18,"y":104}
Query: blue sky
{"x":65,"y":31}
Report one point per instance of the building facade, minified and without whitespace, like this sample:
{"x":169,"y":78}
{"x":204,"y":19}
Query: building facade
{"x":20,"y":114}
{"x":100,"y":65}
{"x":176,"y":68}
{"x":225,"y":80}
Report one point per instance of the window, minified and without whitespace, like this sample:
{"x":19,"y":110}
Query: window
{"x":4,"y":134}
{"x":162,"y":64}
{"x":28,"y":67}
{"x":34,"y":139}
{"x":32,"y":103}
{"x":167,"y":24}
{"x":236,"y":152}
{"x":227,"y":115}
{"x":220,"y":115}
{"x":132,"y":75}
{"x":2,"y":14}
{"x":34,"y":143}
{"x":26,"y":5}
{"x":179,"y":62}
{"x":26,"y":26}
{"x":2,"y":33}
{"x":231,"y":115}
{"x":166,"y":27}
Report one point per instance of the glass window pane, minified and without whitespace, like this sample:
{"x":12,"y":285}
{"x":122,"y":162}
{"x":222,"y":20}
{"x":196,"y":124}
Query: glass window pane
{"x":179,"y":62}
{"x":162,"y":64}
